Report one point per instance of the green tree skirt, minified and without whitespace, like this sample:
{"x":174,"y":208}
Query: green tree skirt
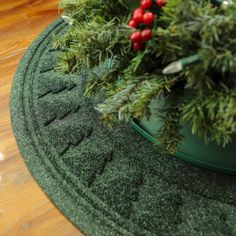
{"x":108,"y":182}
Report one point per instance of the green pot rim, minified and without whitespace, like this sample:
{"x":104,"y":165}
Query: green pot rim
{"x":135,"y":124}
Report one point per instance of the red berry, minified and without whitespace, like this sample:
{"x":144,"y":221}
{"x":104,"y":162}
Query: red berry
{"x":138,"y":15}
{"x":148,"y":18}
{"x":136,"y":37}
{"x":138,"y":10}
{"x":138,"y":46}
{"x":146,"y":35}
{"x":133,"y":24}
{"x":161,"y":3}
{"x":146,"y":4}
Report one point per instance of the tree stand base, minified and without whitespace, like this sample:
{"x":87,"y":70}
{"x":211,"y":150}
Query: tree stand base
{"x":193,"y":149}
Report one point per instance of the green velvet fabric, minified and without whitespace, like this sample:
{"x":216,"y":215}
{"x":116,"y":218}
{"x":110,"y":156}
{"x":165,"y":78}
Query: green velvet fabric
{"x":108,"y":182}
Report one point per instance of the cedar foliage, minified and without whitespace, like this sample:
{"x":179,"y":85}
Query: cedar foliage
{"x":203,"y":95}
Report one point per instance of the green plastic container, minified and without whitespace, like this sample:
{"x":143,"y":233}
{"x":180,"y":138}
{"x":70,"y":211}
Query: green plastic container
{"x":192,"y":149}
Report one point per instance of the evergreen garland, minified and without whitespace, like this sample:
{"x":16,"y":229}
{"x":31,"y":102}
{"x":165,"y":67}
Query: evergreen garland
{"x":202,"y":95}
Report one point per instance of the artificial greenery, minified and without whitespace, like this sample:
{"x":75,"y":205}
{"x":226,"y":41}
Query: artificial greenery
{"x":202,"y":95}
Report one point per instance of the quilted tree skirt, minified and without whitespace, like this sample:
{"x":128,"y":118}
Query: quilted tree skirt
{"x":108,"y":182}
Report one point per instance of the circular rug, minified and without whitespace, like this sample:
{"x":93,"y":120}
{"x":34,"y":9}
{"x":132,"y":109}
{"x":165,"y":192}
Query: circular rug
{"x":108,"y":182}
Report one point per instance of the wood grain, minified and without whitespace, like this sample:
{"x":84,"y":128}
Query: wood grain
{"x":24,"y":208}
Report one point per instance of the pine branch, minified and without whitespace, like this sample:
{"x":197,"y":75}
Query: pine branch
{"x":98,"y":44}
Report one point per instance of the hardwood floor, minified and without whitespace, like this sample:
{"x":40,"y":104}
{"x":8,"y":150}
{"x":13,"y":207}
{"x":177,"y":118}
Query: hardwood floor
{"x":24,"y":209}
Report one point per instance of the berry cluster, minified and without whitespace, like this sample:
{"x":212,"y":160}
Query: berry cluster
{"x":143,"y":16}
